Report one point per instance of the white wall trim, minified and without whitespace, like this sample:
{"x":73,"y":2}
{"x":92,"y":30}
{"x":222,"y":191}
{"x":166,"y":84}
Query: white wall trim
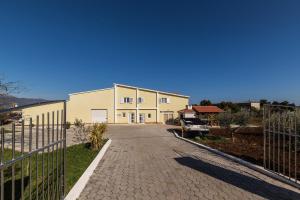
{"x":89,"y":91}
{"x":144,"y":89}
{"x":83,"y":180}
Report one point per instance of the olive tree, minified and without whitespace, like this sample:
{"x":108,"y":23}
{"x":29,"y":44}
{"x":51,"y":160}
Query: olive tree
{"x":225,"y":119}
{"x":241,"y":118}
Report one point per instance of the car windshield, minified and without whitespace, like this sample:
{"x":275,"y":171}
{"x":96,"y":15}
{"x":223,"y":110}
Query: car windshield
{"x":193,"y":121}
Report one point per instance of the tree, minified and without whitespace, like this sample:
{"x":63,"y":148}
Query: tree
{"x":205,"y":102}
{"x":229,"y":106}
{"x":225,"y":119}
{"x":241,"y":118}
{"x":285,"y":103}
{"x":263,"y":102}
{"x":8,"y":87}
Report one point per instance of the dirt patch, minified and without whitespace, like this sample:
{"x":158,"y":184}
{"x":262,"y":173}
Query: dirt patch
{"x":247,"y":143}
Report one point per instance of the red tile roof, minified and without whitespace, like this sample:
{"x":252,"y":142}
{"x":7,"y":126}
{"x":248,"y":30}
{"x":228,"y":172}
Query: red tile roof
{"x":207,"y":109}
{"x":186,"y":111}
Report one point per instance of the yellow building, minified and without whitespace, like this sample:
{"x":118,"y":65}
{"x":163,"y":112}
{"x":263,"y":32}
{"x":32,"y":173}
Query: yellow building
{"x":119,"y":104}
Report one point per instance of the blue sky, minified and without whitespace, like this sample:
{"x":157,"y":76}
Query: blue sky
{"x":218,"y":50}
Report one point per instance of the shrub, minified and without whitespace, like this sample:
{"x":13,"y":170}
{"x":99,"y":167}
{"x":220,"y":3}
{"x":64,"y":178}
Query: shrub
{"x":80,"y":131}
{"x":241,"y":118}
{"x":78,"y":123}
{"x":68,"y":125}
{"x":96,"y":134}
{"x":225,"y":119}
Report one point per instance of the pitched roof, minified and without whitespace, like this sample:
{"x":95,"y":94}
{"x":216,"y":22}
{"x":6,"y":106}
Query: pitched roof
{"x":31,"y":105}
{"x":202,"y":109}
{"x":186,"y":111}
{"x":207,"y":109}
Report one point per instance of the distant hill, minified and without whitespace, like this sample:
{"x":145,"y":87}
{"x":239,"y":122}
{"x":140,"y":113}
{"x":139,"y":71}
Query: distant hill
{"x":7,"y":101}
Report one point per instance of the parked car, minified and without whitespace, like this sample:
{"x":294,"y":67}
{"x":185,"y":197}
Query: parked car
{"x":194,"y":124}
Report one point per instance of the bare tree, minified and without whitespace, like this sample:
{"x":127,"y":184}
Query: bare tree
{"x":8,"y":87}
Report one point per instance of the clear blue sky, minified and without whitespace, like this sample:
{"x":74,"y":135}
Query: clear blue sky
{"x":218,"y":50}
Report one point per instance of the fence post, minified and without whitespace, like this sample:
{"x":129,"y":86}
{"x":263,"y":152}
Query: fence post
{"x":65,"y":148}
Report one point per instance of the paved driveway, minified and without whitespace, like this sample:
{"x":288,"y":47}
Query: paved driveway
{"x":148,"y":162}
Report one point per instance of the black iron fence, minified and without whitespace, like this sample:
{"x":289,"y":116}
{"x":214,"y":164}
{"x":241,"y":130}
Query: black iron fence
{"x":281,"y":141}
{"x":33,"y":157}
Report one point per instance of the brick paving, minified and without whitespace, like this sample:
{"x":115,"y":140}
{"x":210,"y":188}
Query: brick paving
{"x":148,"y":162}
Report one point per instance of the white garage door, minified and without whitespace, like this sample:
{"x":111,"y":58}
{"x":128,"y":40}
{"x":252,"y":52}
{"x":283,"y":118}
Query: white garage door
{"x":99,"y":116}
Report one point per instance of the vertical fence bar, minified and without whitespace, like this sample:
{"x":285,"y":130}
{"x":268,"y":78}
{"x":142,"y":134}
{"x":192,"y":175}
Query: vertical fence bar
{"x":13,"y":137}
{"x":278,"y":148}
{"x":65,"y":148}
{"x":273,"y":143}
{"x":61,"y":154}
{"x":30,"y":148}
{"x":36,"y":157}
{"x":264,"y":124}
{"x":43,"y":145}
{"x":48,"y":154}
{"x":283,"y":145}
{"x":2,"y":161}
{"x":52,"y":188}
{"x":57,"y":131}
{"x":269,"y":147}
{"x":296,"y":140}
{"x":290,"y":138}
{"x":22,"y":161}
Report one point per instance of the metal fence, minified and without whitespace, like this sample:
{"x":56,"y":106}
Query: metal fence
{"x":281,"y":141}
{"x":33,"y":158}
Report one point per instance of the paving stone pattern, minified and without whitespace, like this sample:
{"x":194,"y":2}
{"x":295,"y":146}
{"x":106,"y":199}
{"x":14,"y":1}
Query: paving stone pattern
{"x":148,"y":162}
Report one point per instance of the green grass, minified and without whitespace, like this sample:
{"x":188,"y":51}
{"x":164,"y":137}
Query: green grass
{"x":78,"y":158}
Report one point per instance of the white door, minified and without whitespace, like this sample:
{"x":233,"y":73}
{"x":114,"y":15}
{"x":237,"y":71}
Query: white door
{"x":142,"y":117}
{"x":99,"y":116}
{"x":131,"y":118}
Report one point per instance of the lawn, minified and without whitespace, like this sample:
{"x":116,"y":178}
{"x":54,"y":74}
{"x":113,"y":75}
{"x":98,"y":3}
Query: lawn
{"x":78,"y":158}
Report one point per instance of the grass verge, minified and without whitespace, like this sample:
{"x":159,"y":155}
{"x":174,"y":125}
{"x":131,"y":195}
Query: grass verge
{"x":78,"y":158}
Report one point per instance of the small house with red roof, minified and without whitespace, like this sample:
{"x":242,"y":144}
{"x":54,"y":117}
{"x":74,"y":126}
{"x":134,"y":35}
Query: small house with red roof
{"x":206,"y":113}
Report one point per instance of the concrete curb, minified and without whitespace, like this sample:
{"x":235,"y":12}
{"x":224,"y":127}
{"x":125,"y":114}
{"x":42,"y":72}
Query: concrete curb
{"x":243,"y":162}
{"x":81,"y":183}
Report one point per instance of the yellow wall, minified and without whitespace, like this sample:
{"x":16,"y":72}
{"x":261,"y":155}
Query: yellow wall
{"x":149,"y":99}
{"x":176,"y":104}
{"x":153,"y":115}
{"x":125,"y":92}
{"x":38,"y":110}
{"x":124,"y":120}
{"x":80,"y":105}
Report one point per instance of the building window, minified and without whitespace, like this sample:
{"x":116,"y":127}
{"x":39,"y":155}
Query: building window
{"x":140,"y":100}
{"x":124,"y":114}
{"x":149,"y":115}
{"x":164,"y":100}
{"x":126,"y":100}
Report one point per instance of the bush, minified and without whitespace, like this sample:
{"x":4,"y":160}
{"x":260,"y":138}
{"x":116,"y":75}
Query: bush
{"x":96,"y":134}
{"x":225,"y":119}
{"x":78,"y":123}
{"x":80,"y":132}
{"x":68,"y":125}
{"x":241,"y":118}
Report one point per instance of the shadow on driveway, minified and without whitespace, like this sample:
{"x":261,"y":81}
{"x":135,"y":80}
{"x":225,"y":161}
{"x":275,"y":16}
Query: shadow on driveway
{"x":247,"y":183}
